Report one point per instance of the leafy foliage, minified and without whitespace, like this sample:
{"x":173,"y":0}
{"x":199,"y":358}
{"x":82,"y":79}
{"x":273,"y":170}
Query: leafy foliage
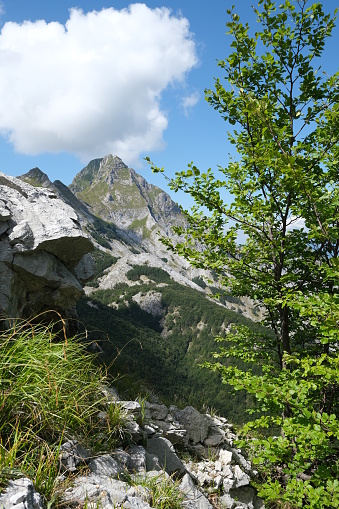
{"x":200,"y":282}
{"x":155,"y":273}
{"x":164,"y":490}
{"x":102,"y":232}
{"x":286,"y":202}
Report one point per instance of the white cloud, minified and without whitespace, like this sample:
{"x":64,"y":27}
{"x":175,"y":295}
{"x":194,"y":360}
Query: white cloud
{"x":2,"y":8}
{"x":189,"y":102}
{"x":93,"y":86}
{"x":296,"y":223}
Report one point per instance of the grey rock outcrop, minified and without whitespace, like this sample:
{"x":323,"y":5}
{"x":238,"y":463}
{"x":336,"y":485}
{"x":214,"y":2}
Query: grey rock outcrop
{"x":163,"y":450}
{"x":72,"y":454}
{"x":195,"y":499}
{"x":41,"y":246}
{"x":120,"y":478}
{"x":205,"y":476}
{"x":196,"y":424}
{"x":20,"y":494}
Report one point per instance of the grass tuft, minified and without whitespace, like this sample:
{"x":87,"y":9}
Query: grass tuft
{"x":163,"y":490}
{"x":51,"y":391}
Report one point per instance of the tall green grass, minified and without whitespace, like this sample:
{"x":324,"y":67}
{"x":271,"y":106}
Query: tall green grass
{"x":50,"y":391}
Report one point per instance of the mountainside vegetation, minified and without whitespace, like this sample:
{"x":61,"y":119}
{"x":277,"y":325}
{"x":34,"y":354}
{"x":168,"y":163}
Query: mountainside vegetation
{"x":284,"y":184}
{"x":162,"y":348}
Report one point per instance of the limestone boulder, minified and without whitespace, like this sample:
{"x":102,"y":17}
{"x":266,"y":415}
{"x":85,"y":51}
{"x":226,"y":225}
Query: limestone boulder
{"x":20,"y":494}
{"x":196,"y":424}
{"x":72,"y":454}
{"x":42,"y":250}
{"x":195,"y":499}
{"x":167,"y":459}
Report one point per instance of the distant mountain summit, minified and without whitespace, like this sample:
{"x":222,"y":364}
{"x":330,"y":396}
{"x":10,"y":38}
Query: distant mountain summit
{"x":118,"y":194}
{"x":36,"y":178}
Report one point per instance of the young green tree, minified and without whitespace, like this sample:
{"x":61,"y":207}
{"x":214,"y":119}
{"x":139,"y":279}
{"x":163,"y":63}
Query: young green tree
{"x":284,"y":184}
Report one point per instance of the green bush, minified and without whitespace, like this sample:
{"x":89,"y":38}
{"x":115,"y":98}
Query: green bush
{"x":200,"y":282}
{"x":164,"y":490}
{"x":102,"y":261}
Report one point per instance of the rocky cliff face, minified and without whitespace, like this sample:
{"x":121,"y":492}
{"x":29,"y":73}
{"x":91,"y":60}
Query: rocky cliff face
{"x":42,"y":249}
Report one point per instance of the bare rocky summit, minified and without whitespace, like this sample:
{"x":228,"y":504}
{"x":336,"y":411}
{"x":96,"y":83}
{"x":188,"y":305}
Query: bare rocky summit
{"x":119,"y":195}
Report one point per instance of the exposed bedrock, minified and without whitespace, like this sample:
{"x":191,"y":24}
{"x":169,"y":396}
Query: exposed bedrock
{"x":42,"y":252}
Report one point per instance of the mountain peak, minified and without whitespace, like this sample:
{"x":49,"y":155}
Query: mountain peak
{"x":96,"y":171}
{"x":111,"y":160}
{"x":116,"y":193}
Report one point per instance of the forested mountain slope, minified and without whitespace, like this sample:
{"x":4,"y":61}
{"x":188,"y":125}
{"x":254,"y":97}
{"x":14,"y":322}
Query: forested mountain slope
{"x":157,"y":333}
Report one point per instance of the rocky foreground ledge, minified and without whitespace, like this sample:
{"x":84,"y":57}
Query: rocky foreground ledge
{"x":196,"y":449}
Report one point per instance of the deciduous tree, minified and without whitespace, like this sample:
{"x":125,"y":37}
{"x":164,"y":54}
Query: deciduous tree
{"x":284,"y":184}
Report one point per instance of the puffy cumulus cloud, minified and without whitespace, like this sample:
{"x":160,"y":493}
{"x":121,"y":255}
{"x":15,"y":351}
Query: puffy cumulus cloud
{"x":93,"y":86}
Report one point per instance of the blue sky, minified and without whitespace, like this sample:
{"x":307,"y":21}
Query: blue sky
{"x":77,"y":85}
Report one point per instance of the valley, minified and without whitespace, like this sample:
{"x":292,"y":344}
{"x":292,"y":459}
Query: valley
{"x":152,"y":316}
